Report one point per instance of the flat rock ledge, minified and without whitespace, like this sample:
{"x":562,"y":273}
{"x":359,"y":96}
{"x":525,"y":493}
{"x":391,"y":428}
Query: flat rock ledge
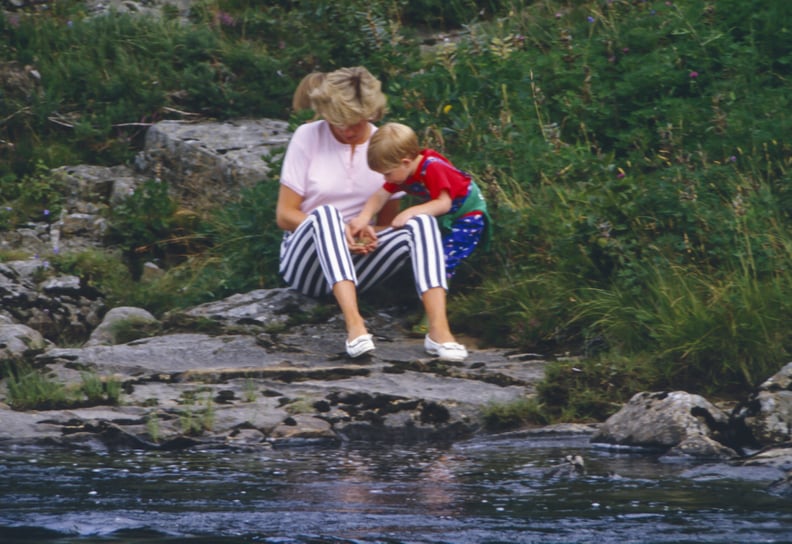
{"x":256,"y":370}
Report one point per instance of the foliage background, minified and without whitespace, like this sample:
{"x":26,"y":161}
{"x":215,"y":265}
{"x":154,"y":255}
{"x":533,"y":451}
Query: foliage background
{"x":635,"y":155}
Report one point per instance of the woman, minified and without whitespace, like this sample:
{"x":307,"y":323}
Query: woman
{"x":325,"y":182}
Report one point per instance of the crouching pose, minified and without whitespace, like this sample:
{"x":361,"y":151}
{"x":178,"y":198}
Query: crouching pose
{"x":325,"y":182}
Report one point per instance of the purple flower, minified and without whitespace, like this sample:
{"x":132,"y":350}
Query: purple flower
{"x":732,"y":159}
{"x":590,"y":19}
{"x":694,"y":75}
{"x":225,"y":19}
{"x":46,"y":212}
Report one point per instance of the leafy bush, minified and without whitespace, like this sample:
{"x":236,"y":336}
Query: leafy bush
{"x":142,"y":224}
{"x":37,"y":197}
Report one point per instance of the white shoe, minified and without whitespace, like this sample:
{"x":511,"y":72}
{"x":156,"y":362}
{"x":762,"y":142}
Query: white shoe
{"x":361,"y":345}
{"x":450,"y":351}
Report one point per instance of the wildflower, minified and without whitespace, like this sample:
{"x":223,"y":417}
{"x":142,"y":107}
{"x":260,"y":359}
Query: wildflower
{"x":732,"y":159}
{"x":447,"y":108}
{"x":694,"y":75}
{"x":46,"y":213}
{"x":8,"y":208}
{"x":224,"y":19}
{"x":558,"y":15}
{"x":621,"y":173}
{"x":590,"y":19}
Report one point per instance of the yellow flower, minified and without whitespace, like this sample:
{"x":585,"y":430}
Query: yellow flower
{"x":447,"y":108}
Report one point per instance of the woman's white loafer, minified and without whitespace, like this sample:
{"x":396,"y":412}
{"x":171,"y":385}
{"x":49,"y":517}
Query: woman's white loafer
{"x":361,"y":345}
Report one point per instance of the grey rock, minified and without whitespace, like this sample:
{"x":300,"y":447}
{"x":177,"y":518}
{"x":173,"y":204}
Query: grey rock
{"x":662,"y":420}
{"x":121,"y":319}
{"x":767,"y":413}
{"x":19,"y":341}
{"x":208,"y":163}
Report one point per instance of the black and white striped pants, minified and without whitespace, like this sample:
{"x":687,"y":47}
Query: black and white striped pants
{"x":315,"y":256}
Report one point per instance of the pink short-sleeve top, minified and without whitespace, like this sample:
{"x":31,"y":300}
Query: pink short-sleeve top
{"x":323,"y":171}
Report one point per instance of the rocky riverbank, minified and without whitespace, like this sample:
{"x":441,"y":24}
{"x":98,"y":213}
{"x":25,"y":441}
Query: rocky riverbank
{"x":241,"y":384}
{"x":267,"y":368}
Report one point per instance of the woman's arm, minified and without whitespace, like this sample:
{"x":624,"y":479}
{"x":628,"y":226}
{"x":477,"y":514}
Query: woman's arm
{"x":288,"y":214}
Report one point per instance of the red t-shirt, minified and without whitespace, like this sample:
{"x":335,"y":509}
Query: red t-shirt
{"x":434,"y":174}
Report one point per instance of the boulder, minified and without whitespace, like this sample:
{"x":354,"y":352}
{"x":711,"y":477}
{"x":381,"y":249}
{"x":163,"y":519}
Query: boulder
{"x":123,"y":324}
{"x":206,"y":164}
{"x":664,"y":420}
{"x":767,"y":414}
{"x":19,"y":341}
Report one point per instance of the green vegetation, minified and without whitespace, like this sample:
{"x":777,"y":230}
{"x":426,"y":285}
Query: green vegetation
{"x":634,"y":152}
{"x":31,"y":389}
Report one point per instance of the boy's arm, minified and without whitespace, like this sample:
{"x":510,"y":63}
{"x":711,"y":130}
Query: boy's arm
{"x":361,"y":223}
{"x":373,"y":205}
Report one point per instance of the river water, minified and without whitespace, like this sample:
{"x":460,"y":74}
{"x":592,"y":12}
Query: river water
{"x":495,"y":490}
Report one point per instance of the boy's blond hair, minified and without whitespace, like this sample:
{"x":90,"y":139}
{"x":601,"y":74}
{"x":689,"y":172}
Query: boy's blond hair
{"x":301,"y":99}
{"x":348,"y":96}
{"x":392,"y":143}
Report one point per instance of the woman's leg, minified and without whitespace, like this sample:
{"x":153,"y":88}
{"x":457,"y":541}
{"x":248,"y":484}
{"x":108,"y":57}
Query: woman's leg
{"x":345,"y":294}
{"x":420,"y":243}
{"x":315,"y":260}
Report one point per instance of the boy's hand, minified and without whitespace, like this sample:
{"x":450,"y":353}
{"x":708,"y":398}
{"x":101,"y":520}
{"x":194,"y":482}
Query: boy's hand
{"x":401,"y":219}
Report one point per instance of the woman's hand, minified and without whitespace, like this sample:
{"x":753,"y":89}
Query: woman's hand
{"x":360,"y":237}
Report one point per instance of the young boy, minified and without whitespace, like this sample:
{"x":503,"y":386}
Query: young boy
{"x":446,"y":192}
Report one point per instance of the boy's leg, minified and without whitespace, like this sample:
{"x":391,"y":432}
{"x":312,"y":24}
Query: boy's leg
{"x":460,"y":241}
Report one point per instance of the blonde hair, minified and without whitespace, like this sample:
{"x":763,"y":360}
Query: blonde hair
{"x":392,"y":143}
{"x":301,"y":99}
{"x":348,"y":96}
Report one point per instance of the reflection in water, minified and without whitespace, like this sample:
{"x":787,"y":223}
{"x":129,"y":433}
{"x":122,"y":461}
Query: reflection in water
{"x":500,"y":490}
